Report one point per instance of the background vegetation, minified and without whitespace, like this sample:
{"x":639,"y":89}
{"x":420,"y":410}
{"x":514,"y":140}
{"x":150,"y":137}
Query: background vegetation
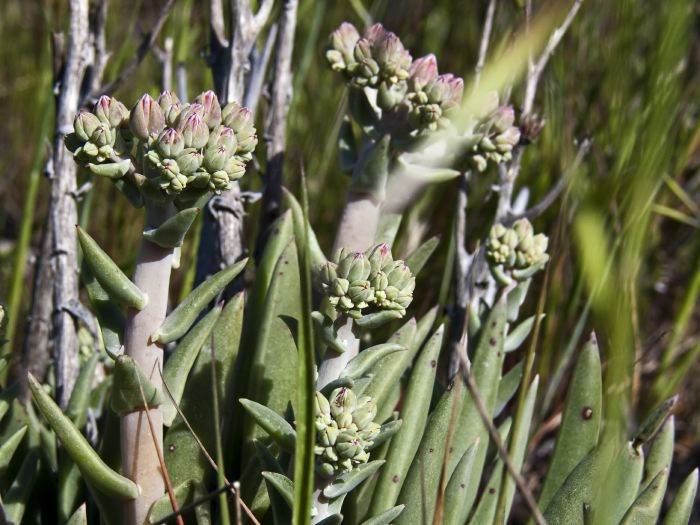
{"x":625,"y":239}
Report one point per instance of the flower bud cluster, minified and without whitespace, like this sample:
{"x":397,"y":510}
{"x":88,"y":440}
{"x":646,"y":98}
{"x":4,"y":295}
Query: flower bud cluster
{"x":183,"y":150}
{"x":97,"y":136}
{"x":345,"y":428}
{"x":200,"y":150}
{"x":376,"y":58}
{"x":495,"y":135}
{"x":516,"y":247}
{"x":372,"y":280}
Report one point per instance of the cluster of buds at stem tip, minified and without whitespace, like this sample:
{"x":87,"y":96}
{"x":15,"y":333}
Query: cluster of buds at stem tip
{"x":345,"y":430}
{"x":493,"y":135}
{"x":412,"y":95}
{"x":516,"y":251}
{"x":375,"y":58}
{"x":182,"y":152}
{"x":358,"y":283}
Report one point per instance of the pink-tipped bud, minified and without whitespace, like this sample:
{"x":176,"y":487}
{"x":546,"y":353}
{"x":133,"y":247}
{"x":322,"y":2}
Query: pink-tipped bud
{"x":211,"y":108}
{"x":110,"y":111}
{"x":146,"y":117}
{"x":195,"y":131}
{"x":422,"y":71}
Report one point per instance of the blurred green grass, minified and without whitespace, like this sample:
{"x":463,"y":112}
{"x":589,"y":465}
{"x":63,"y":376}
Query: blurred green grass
{"x":625,"y":76}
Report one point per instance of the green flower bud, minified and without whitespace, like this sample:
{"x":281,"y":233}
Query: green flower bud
{"x":445,"y":90}
{"x":171,"y":107}
{"x":211,"y":108}
{"x":110,"y":111}
{"x":523,"y":228}
{"x":241,"y":121}
{"x":323,"y":407}
{"x":85,"y":125}
{"x":393,"y":58}
{"x":189,"y":161}
{"x":215,"y":159}
{"x":390,"y":95}
{"x":507,"y":140}
{"x":223,"y":136}
{"x":348,"y":444}
{"x":102,"y":136}
{"x":422,"y":71}
{"x":328,"y":436}
{"x":503,"y":118}
{"x":354,"y":267}
{"x":195,"y":131}
{"x":365,"y":412}
{"x":235,"y":168}
{"x":325,"y":470}
{"x":170,"y":143}
{"x":146,"y":117}
{"x":342,"y":43}
{"x":342,"y":400}
{"x":219,"y":181}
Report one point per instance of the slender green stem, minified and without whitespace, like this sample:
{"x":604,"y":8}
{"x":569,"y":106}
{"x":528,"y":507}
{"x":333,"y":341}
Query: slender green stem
{"x":17,"y":286}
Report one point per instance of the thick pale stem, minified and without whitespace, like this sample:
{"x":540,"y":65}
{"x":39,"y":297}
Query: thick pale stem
{"x":358,"y":225}
{"x":330,"y":369}
{"x":334,"y":363}
{"x":139,"y":452}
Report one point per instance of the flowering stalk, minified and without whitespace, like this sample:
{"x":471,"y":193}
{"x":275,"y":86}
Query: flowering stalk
{"x":139,"y":447}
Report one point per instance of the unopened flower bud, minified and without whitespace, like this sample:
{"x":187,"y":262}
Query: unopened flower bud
{"x":211,"y":108}
{"x":379,"y":257}
{"x":219,"y":181}
{"x":422,"y":71}
{"x":374,"y":33}
{"x":189,"y":161}
{"x":342,"y":400}
{"x":170,"y":143}
{"x":393,"y":58}
{"x":343,"y":41}
{"x":503,"y":118}
{"x":146,"y":117}
{"x":171,"y":107}
{"x":215,"y":158}
{"x":110,"y":111}
{"x":365,"y":412}
{"x":446,"y":90}
{"x":323,"y":407}
{"x":85,"y":125}
{"x":195,"y":131}
{"x":223,"y":136}
{"x":507,"y":140}
{"x":235,"y":168}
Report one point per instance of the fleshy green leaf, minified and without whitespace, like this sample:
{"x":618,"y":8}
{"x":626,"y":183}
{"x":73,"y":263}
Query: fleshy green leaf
{"x":94,"y":470}
{"x":79,"y":517}
{"x":580,"y":424}
{"x":516,"y":336}
{"x":177,"y":367}
{"x":417,"y":259}
{"x":171,"y":233}
{"x":181,"y":318}
{"x":274,"y":424}
{"x":17,"y":496}
{"x":282,"y":484}
{"x":129,"y":380}
{"x":386,"y":517}
{"x":8,"y":448}
{"x":414,"y":413}
{"x":349,"y":480}
{"x":111,"y":278}
{"x":682,"y":506}
{"x":645,"y":509}
{"x":368,"y":358}
{"x":110,"y":170}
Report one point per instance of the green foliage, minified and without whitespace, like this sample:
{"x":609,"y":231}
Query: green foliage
{"x":389,"y":433}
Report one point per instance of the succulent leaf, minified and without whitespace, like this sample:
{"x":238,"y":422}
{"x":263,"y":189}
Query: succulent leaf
{"x":417,"y":259}
{"x":386,"y":517}
{"x":94,"y":470}
{"x":282,"y":484}
{"x":8,"y":448}
{"x":365,"y":360}
{"x":414,"y":414}
{"x":177,"y":367}
{"x":183,"y":316}
{"x":129,"y":382}
{"x":683,"y":503}
{"x":172,"y":232}
{"x":111,"y":278}
{"x":274,"y":424}
{"x":351,"y":479}
{"x":455,"y":512}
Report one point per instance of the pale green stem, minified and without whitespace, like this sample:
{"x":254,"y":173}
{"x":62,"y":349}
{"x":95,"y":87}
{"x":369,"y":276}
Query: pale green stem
{"x":139,"y":447}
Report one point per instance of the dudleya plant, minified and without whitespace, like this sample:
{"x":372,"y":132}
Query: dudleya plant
{"x":173,"y":152}
{"x":375,"y":425}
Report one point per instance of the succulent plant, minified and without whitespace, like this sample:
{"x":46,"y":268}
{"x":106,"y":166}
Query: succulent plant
{"x":366,"y":430}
